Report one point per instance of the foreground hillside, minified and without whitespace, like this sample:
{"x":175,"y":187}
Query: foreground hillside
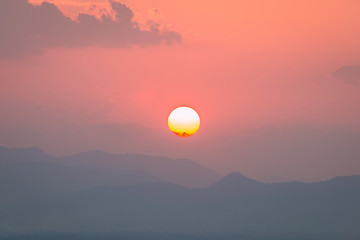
{"x":234,"y":205}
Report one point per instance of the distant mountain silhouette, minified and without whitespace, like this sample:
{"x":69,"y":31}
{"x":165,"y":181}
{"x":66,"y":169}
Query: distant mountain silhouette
{"x":24,"y":181}
{"x":235,"y":180}
{"x":179,"y":171}
{"x":234,"y":205}
{"x":100,"y":192}
{"x":13,"y":155}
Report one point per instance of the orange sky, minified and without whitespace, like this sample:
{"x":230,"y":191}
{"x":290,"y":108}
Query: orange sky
{"x":241,"y":65}
{"x":264,"y":51}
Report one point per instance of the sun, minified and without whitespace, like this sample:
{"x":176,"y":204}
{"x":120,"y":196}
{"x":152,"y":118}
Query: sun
{"x":184,"y":121}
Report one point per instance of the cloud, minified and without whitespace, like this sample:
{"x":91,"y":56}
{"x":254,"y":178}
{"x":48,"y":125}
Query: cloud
{"x":27,"y":29}
{"x":350,"y":74}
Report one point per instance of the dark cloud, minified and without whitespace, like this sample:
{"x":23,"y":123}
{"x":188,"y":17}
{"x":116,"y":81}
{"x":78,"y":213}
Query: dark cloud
{"x":27,"y":29}
{"x":350,"y":74}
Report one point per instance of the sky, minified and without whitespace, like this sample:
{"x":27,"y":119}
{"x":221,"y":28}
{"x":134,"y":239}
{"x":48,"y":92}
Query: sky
{"x":276,"y":83}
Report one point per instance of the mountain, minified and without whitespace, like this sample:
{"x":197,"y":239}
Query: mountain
{"x":178,"y":171}
{"x":26,"y":181}
{"x":235,"y":180}
{"x":234,"y":205}
{"x":13,"y":155}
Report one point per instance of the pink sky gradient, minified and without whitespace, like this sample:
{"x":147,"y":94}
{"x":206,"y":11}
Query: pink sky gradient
{"x":259,"y":73}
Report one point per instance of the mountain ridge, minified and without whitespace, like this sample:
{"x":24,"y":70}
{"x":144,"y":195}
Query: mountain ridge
{"x":290,"y":208}
{"x":179,"y":171}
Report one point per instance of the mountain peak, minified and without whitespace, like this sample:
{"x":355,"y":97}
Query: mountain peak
{"x":235,"y":179}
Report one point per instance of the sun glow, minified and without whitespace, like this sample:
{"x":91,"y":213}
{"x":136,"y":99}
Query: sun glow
{"x":184,"y":121}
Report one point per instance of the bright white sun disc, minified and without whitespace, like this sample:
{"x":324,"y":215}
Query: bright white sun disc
{"x":184,"y":121}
